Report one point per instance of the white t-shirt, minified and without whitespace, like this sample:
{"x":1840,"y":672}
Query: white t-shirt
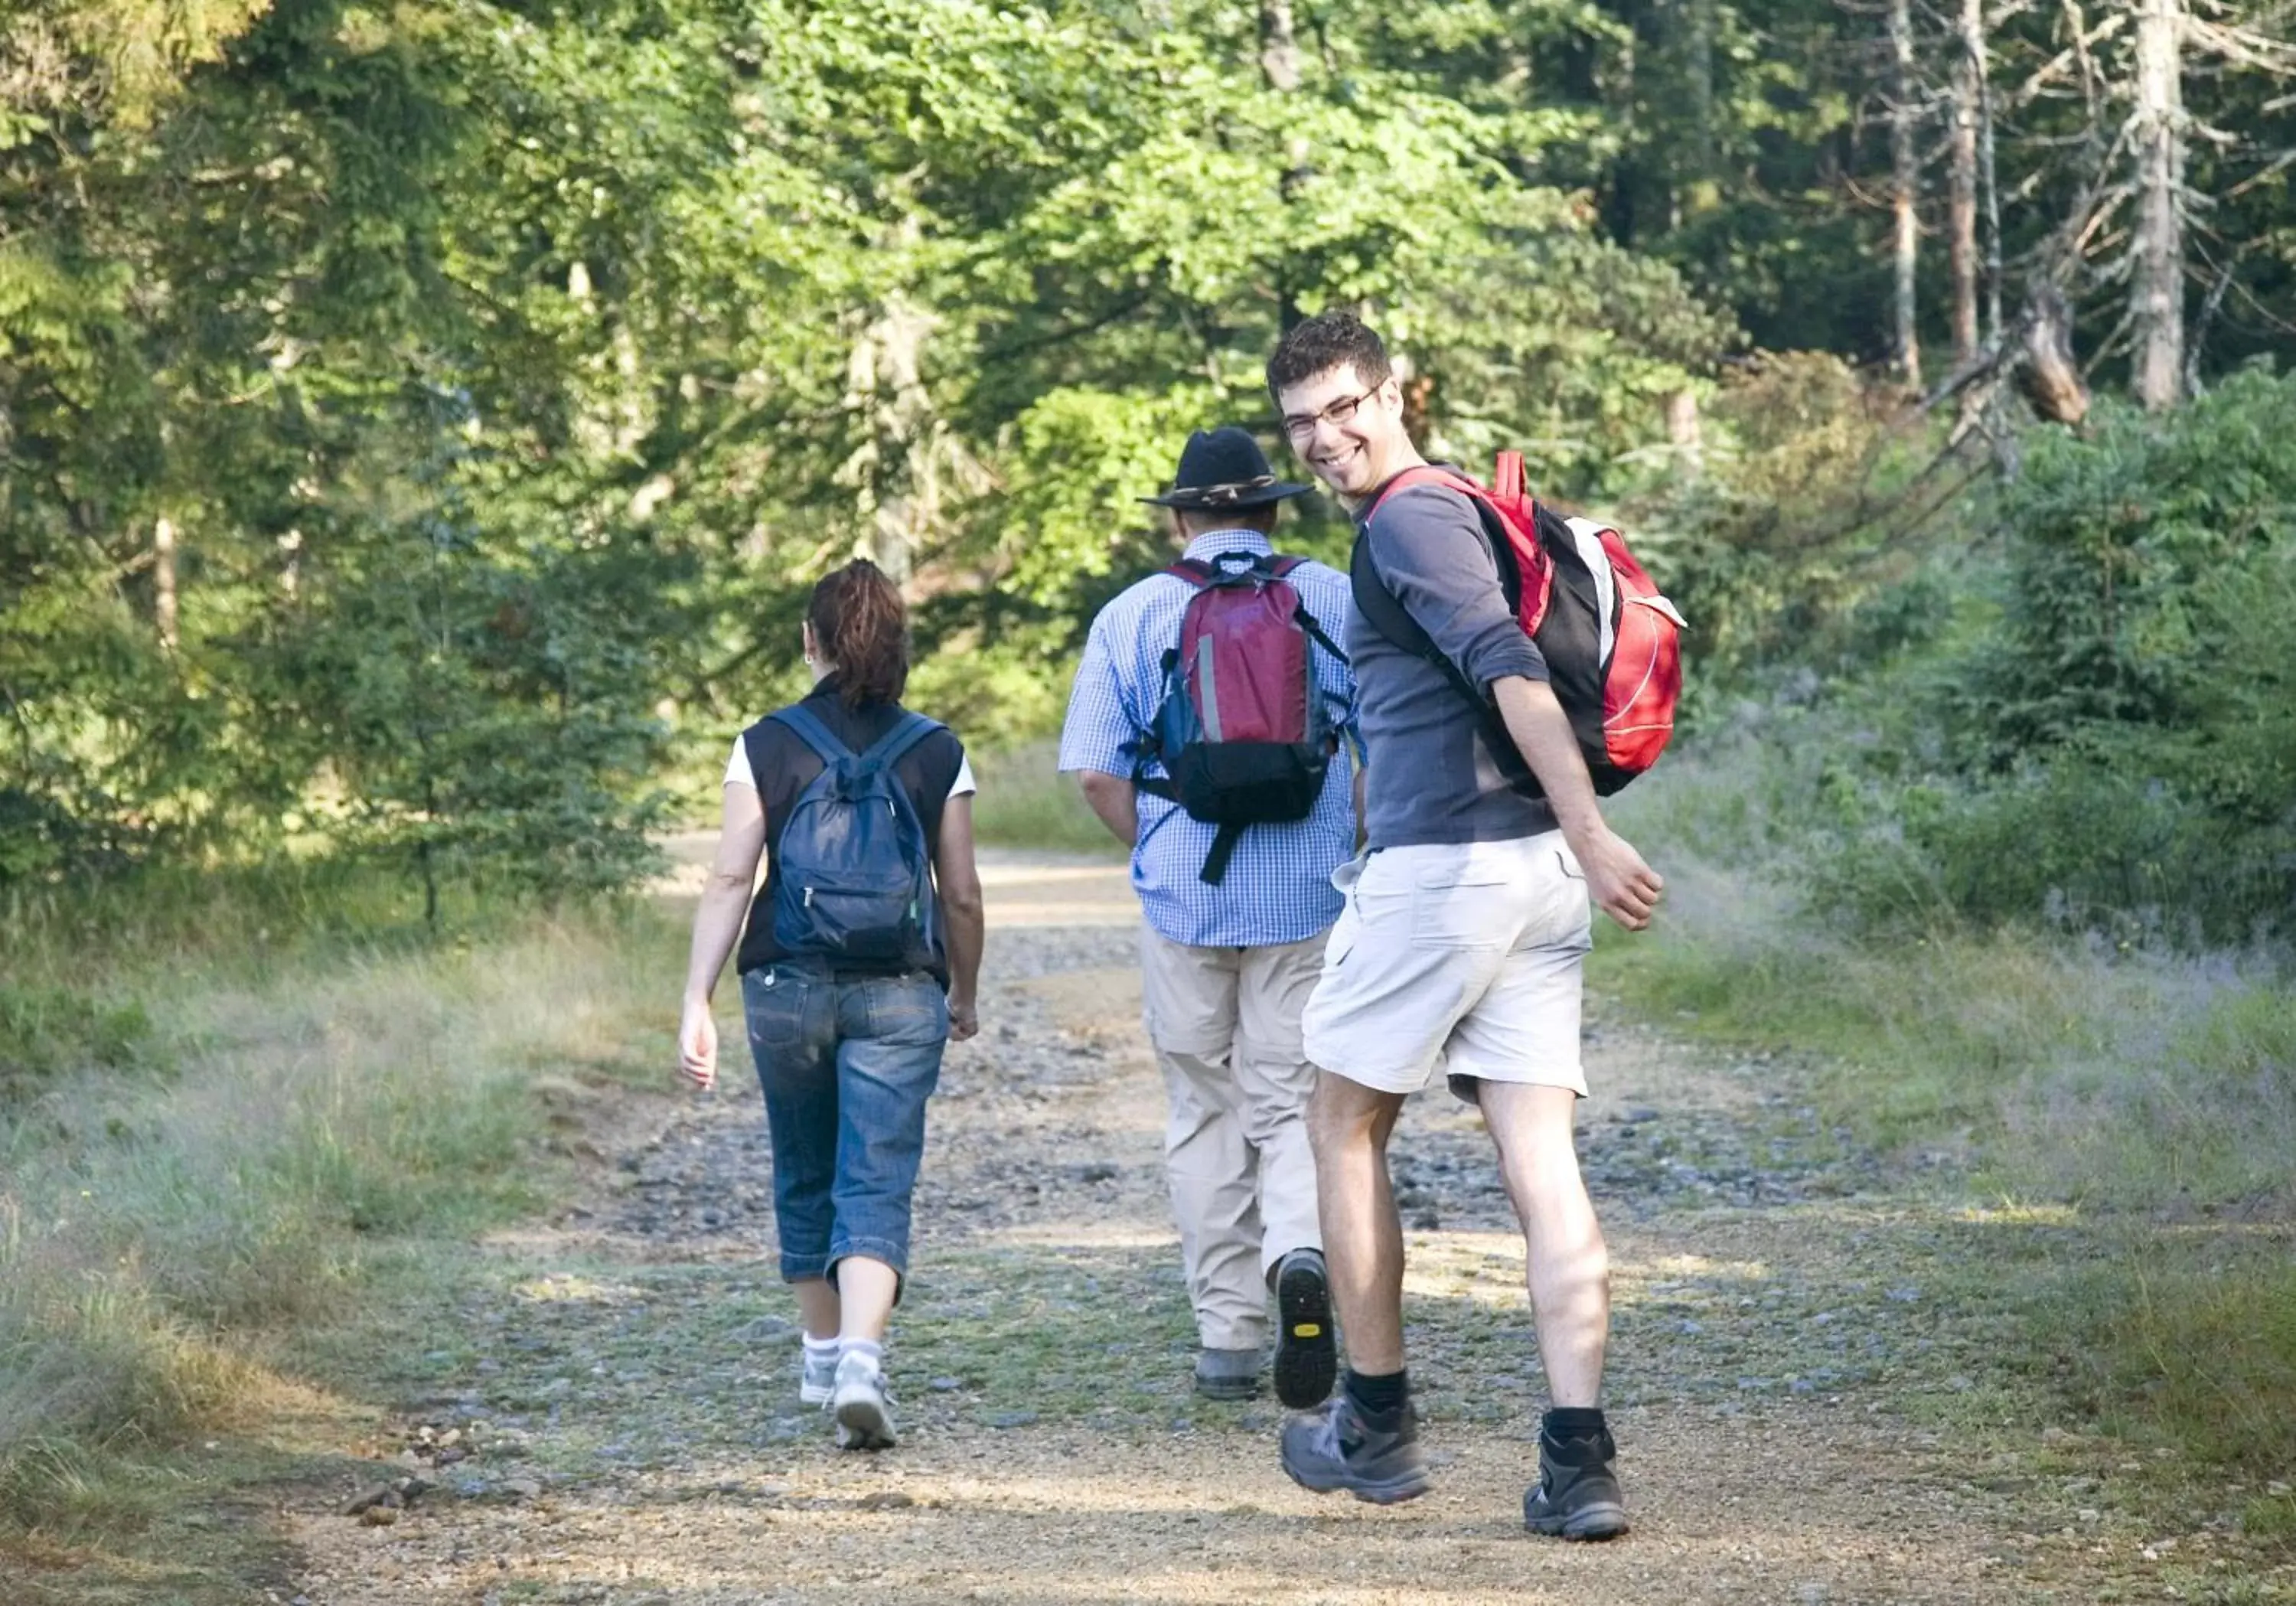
{"x":738,"y":772}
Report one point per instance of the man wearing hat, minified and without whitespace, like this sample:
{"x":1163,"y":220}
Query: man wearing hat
{"x":1227,"y":963}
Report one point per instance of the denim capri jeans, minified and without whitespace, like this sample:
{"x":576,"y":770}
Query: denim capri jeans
{"x":847,"y":1065}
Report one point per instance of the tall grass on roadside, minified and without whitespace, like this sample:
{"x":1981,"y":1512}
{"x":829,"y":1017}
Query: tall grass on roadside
{"x":2152,"y":1090}
{"x":162,"y":1224}
{"x":2080,"y":1069}
{"x":1025,"y":803}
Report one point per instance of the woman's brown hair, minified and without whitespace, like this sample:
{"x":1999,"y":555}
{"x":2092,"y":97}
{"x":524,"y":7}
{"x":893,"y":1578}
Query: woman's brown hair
{"x":861,"y":625}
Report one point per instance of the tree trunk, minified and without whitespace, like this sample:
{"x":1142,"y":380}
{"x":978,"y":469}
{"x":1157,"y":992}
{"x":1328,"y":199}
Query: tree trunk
{"x":2156,"y":279}
{"x":1684,"y":431}
{"x":1988,"y":179}
{"x":163,"y":582}
{"x":1905,"y":169}
{"x":1279,"y":65}
{"x":900,"y":489}
{"x":1962,"y":183}
{"x":2052,"y":379}
{"x":1698,"y":73}
{"x":1279,"y":49}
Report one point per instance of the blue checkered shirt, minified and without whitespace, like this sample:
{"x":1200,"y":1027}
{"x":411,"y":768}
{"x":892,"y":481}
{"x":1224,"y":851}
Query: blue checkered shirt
{"x":1278,"y":886}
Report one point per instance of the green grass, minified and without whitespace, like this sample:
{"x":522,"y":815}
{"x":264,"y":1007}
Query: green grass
{"x":1025,"y":803}
{"x":182,"y":1201}
{"x":2150,"y":1097}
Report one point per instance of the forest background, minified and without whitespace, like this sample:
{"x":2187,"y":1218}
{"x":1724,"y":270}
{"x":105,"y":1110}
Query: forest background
{"x":420,"y":423}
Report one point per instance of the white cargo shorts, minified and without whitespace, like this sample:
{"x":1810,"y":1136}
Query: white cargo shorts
{"x":1466,"y":957}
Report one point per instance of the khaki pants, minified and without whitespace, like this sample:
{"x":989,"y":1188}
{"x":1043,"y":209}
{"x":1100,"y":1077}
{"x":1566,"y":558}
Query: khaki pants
{"x":1226,"y":1026}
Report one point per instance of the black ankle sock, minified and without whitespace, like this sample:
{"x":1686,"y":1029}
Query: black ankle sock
{"x":1574,"y":1421}
{"x":1380,"y":1393}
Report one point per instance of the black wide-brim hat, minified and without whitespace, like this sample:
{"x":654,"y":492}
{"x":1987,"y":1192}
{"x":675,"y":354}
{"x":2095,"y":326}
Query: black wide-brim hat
{"x":1224,"y":468}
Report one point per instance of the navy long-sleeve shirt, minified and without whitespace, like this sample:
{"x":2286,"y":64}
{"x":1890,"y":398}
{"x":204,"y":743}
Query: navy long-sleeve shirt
{"x":1433,"y":774}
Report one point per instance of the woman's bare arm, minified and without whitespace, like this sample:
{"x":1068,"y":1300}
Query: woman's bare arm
{"x":717,"y":925}
{"x":962,"y":921}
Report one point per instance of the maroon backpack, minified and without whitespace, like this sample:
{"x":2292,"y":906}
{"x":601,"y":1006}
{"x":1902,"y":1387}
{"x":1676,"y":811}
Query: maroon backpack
{"x":1243,"y":734}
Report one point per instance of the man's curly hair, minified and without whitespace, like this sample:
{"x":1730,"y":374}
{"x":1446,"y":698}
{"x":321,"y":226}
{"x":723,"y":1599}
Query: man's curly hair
{"x":1323,"y":342}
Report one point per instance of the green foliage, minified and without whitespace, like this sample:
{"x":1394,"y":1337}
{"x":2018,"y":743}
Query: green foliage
{"x":2138,"y":551}
{"x":2116,"y":751}
{"x":1803,"y":545}
{"x":506,"y":374}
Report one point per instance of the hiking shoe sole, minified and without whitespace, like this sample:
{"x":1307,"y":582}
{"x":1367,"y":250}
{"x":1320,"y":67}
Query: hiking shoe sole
{"x":1591,"y":1523}
{"x":1307,"y":1353}
{"x":862,"y":1423}
{"x":1378,"y":1491}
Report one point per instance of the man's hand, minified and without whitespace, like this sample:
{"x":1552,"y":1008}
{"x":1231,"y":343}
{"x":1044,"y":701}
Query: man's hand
{"x":1115,"y":801}
{"x":964,"y":1018}
{"x":1622,"y":886}
{"x":697,"y":1044}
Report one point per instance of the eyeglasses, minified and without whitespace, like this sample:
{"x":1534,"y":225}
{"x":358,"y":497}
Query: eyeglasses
{"x":1301,"y":426}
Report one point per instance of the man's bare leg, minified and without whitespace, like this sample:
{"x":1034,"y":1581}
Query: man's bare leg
{"x":1569,"y":1268}
{"x":1349,"y":1126}
{"x":1576,"y":1495}
{"x":1366,"y":1440}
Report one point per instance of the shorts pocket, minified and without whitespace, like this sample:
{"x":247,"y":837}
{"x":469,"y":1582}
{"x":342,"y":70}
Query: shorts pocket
{"x":1450,"y":911}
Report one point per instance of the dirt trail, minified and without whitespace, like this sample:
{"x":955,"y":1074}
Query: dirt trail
{"x":619,"y":1390}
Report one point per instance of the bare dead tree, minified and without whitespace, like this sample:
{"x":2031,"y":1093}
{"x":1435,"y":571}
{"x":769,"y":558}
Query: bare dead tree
{"x":1973,"y":226}
{"x":1904,"y":186}
{"x":1961,"y":176}
{"x":2156,"y":288}
{"x":2052,"y":379}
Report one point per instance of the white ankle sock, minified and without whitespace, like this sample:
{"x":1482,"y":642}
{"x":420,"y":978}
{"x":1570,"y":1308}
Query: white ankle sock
{"x":868,"y":1349}
{"x":821,"y":1349}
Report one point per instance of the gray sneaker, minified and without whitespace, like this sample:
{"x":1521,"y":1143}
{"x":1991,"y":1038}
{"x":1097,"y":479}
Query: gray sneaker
{"x":1576,"y":1495}
{"x":1335,"y":1449}
{"x":1227,"y":1374}
{"x":816,"y":1376}
{"x":865,"y":1415}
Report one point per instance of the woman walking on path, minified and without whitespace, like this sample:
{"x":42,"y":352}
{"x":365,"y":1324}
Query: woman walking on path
{"x":858,"y":966}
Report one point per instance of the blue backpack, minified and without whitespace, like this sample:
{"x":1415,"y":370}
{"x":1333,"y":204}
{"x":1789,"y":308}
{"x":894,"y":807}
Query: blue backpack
{"x":854,"y":878}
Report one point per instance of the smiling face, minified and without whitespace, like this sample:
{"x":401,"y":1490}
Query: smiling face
{"x":1350,"y":435}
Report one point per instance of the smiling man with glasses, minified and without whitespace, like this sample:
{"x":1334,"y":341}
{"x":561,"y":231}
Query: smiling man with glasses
{"x":1459,"y":948}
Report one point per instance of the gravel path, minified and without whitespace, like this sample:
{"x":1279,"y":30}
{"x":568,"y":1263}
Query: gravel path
{"x":611,"y":1414}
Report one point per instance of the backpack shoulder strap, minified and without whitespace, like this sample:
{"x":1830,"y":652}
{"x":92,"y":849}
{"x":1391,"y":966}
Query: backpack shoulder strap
{"x":908,"y":731}
{"x":1194,"y":571}
{"x":1281,"y":566}
{"x":1382,"y":611}
{"x":810,"y":729}
{"x":1427,"y":473}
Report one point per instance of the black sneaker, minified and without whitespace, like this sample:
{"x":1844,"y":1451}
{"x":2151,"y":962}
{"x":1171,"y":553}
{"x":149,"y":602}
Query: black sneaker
{"x":1336,"y":1449}
{"x":1576,"y":1495}
{"x":1306,"y":1355}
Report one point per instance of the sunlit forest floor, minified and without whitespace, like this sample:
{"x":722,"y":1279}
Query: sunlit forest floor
{"x":600,"y":1404}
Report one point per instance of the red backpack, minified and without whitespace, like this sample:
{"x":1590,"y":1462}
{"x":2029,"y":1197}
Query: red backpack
{"x":1243,"y":733}
{"x":1611,"y":640}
